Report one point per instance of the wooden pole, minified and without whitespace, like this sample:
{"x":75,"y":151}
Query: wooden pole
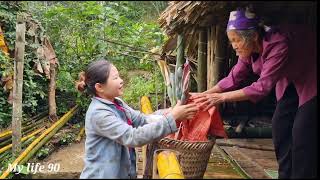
{"x":17,"y":85}
{"x":179,"y":63}
{"x":52,"y":93}
{"x":202,"y":61}
{"x":220,"y":53}
{"x":211,"y":48}
{"x":208,"y":56}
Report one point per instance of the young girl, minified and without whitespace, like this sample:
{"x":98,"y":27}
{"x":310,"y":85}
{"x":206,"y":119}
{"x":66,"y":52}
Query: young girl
{"x":113,"y":129}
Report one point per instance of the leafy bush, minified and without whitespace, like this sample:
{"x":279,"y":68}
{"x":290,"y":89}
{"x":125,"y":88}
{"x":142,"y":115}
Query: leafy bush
{"x":144,"y":85}
{"x":67,"y":139}
{"x":79,"y":32}
{"x":43,"y":153}
{"x":35,"y":86}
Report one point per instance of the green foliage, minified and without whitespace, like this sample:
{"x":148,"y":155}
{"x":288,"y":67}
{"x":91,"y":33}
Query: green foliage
{"x":67,"y":139}
{"x":8,"y":16}
{"x":34,"y":86}
{"x":5,"y":163}
{"x":42,"y":153}
{"x":79,"y":32}
{"x":144,"y":85}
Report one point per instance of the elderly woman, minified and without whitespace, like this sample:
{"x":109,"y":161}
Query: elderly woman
{"x":284,"y":58}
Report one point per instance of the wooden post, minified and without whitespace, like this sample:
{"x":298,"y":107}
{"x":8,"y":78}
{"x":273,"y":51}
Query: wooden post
{"x":179,"y":63}
{"x":211,"y":55}
{"x":220,"y":53}
{"x":52,"y":93}
{"x":208,"y":57}
{"x":202,"y":61}
{"x":17,"y":85}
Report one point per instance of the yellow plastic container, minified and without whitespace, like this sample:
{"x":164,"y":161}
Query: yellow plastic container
{"x":166,"y":165}
{"x":146,"y":107}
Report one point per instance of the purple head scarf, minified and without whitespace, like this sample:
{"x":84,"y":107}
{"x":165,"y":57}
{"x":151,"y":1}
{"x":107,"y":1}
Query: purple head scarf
{"x":242,"y":20}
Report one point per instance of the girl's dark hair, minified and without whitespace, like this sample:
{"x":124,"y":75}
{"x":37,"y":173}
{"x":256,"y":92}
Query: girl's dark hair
{"x":97,"y":72}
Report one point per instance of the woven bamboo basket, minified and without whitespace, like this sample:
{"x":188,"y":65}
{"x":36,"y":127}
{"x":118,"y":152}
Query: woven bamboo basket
{"x":194,"y":156}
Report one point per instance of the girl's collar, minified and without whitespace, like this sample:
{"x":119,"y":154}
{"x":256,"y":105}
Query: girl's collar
{"x":108,"y":102}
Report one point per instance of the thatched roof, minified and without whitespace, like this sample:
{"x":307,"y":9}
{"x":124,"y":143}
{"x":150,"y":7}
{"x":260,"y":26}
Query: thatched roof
{"x":187,"y":17}
{"x":182,"y":15}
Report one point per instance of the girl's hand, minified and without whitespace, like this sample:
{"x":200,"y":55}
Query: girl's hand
{"x":184,"y":112}
{"x":167,"y":111}
{"x":206,"y":101}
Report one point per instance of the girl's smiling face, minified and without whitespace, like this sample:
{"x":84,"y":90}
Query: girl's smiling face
{"x":113,"y":86}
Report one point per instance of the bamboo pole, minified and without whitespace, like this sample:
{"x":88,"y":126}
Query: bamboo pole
{"x":22,"y":140}
{"x":211,"y":57}
{"x":146,"y":108}
{"x":220,"y":53}
{"x":78,"y":139}
{"x":46,"y":138}
{"x":37,"y":117}
{"x":30,"y":150}
{"x":250,"y":132}
{"x":25,"y":130}
{"x":7,"y":134}
{"x":179,"y":63}
{"x":208,"y":56}
{"x":17,"y":85}
{"x":213,"y":53}
{"x":202,"y":61}
{"x":4,"y":155}
{"x":27,"y":123}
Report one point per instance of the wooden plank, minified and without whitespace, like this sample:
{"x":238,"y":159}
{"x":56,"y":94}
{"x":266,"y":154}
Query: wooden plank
{"x":219,"y":168}
{"x":245,"y":144}
{"x":254,"y":162}
{"x":256,"y":141}
{"x":266,"y":159}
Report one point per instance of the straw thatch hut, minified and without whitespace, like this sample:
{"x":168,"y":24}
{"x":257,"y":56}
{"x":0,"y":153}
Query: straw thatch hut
{"x":196,"y":29}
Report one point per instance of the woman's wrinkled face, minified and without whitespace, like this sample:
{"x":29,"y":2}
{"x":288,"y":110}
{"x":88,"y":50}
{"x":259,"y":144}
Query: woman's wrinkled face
{"x":113,"y":86}
{"x":243,"y":49}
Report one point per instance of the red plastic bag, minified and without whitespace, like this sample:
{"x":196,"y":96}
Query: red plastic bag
{"x":203,"y":124}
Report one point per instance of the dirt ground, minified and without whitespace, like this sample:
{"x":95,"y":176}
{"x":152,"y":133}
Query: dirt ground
{"x":70,"y":159}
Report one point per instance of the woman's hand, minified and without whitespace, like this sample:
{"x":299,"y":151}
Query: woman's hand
{"x":184,"y":112}
{"x":194,"y":96}
{"x":206,"y":101}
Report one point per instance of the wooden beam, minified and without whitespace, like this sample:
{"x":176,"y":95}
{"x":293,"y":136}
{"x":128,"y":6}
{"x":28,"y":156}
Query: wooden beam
{"x":17,"y":85}
{"x":202,"y":61}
